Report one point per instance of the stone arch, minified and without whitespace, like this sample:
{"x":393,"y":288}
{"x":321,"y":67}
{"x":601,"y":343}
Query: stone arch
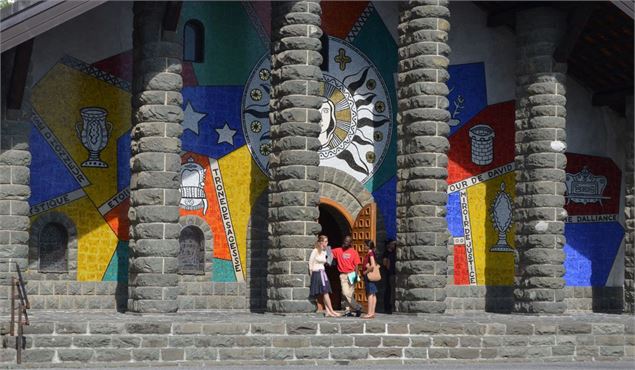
{"x":71,"y":248}
{"x":191,"y":220}
{"x":343,"y":189}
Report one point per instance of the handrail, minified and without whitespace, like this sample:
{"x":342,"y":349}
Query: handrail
{"x":17,"y":286}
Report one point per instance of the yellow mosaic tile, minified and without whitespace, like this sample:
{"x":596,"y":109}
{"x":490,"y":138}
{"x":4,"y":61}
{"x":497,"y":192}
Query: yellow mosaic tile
{"x":242,"y":191}
{"x":492,"y":268}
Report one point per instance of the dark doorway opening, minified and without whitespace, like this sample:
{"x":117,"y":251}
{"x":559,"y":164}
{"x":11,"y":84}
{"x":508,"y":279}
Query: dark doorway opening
{"x":335,"y":226}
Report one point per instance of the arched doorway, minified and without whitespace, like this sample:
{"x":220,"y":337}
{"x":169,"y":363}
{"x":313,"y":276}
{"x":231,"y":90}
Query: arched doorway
{"x":336,"y":224}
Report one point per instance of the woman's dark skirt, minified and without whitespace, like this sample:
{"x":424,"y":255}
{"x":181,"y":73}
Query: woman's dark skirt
{"x":371,"y":287}
{"x":319,"y":283}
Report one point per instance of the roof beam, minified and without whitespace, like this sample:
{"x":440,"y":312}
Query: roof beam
{"x":577,"y":20}
{"x":172,"y":15}
{"x":612,"y":97}
{"x":39,"y":18}
{"x":21,"y":61}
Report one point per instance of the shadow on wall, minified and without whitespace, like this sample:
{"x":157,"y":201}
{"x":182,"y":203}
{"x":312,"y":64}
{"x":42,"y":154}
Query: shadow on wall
{"x":257,"y":246}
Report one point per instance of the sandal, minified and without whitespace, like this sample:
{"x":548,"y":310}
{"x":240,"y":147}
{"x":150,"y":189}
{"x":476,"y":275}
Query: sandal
{"x":368,"y":317}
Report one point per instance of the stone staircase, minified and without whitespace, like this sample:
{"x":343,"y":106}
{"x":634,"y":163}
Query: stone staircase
{"x":107,"y":339}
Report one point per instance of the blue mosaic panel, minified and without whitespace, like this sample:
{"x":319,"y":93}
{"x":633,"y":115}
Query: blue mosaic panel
{"x":468,"y":94}
{"x":223,"y":271}
{"x":123,"y":161}
{"x":590,"y":252}
{"x":49,"y":176}
{"x":386,"y":198}
{"x":455,"y":221}
{"x":118,"y":267}
{"x":212,"y":123}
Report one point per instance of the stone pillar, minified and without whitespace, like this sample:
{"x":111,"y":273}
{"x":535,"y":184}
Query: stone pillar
{"x":629,"y":213}
{"x":540,"y":162}
{"x":15,"y":189}
{"x":422,"y":147}
{"x":294,"y":160}
{"x":155,"y":162}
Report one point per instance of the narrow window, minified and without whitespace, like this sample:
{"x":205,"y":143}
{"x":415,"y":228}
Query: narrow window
{"x":193,"y":42}
{"x":191,"y":251}
{"x":53,"y":248}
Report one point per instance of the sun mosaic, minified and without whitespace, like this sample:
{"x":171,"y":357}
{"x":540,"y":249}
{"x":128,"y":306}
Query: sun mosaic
{"x":356,"y":115}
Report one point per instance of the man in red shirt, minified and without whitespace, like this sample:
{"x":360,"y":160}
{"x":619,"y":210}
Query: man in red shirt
{"x":347,"y":265}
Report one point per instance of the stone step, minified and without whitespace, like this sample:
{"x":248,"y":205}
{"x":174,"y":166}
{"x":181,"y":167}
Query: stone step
{"x":119,"y":339}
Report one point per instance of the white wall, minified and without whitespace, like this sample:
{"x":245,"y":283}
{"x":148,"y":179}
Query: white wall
{"x":472,"y":41}
{"x":95,"y":35}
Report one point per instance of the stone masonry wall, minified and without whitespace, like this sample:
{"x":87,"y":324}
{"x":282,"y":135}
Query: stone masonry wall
{"x":155,"y":162}
{"x":295,"y":118}
{"x":422,"y":147}
{"x":197,"y":340}
{"x":540,"y":162}
{"x":15,"y":190}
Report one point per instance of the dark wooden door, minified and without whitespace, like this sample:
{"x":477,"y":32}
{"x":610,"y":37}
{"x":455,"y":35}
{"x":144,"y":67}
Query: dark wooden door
{"x":364,"y":228}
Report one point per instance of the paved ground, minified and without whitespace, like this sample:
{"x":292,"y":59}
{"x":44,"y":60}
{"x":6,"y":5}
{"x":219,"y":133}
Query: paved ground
{"x":435,"y":366}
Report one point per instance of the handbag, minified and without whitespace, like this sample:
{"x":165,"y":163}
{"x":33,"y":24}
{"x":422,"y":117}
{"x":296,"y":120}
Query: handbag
{"x":374,"y":274}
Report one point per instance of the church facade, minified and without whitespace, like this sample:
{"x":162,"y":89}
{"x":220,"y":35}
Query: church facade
{"x":165,"y":156}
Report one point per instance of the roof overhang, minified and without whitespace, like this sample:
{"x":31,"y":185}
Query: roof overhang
{"x":38,"y":18}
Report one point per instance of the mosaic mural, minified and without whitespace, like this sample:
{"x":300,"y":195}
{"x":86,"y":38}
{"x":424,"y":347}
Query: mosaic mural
{"x":81,"y":141}
{"x":481,"y":184}
{"x":75,"y":149}
{"x":592,"y":229}
{"x":81,"y":148}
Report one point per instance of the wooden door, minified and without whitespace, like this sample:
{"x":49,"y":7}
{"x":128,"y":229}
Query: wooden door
{"x":364,"y":228}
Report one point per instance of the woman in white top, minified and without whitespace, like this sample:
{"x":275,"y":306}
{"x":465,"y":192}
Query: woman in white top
{"x":320,"y":285}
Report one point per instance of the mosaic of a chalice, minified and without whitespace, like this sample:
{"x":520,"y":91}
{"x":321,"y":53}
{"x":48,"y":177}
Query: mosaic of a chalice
{"x":502,"y":218}
{"x":93,"y":132}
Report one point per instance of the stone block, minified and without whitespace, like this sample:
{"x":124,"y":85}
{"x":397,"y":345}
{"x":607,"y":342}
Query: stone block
{"x":395,"y":341}
{"x":349,"y":353}
{"x":52,"y":341}
{"x":125,"y":342}
{"x":445,"y":341}
{"x":146,"y":354}
{"x":92,"y":341}
{"x":311,"y":353}
{"x":71,"y":328}
{"x":154,"y":341}
{"x":241,"y":354}
{"x":279,"y":353}
{"x":569,"y":328}
{"x":386,"y":352}
{"x":172,"y":354}
{"x":149,"y":328}
{"x":75,"y":355}
{"x":301,"y":328}
{"x":420,"y":341}
{"x":38,"y":355}
{"x":367,"y":341}
{"x":291,"y":342}
{"x":464,"y":353}
{"x":226,"y":329}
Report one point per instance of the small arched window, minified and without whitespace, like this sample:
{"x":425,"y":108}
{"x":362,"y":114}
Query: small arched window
{"x":53,"y":241}
{"x":193,"y":41}
{"x":191,"y":251}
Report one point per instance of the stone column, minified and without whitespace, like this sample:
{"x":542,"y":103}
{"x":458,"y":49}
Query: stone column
{"x":540,"y":162}
{"x":422,"y":147}
{"x":15,"y":189}
{"x":629,"y":213}
{"x":155,"y":162}
{"x":294,"y":160}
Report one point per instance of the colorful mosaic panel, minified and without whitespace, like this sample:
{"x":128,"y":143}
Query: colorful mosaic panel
{"x":592,"y":231}
{"x":481,"y":182}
